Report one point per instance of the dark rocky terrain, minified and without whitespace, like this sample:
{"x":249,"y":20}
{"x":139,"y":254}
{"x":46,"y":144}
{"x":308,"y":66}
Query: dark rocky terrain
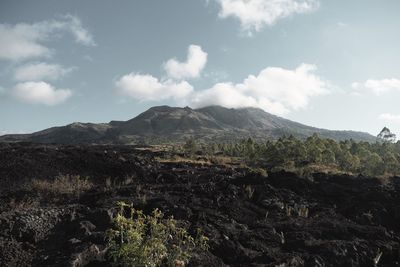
{"x":165,"y":124}
{"x":251,"y":220}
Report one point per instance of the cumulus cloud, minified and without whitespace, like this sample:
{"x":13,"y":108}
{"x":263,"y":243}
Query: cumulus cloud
{"x":255,"y":14}
{"x":378,"y":86}
{"x":145,"y":87}
{"x":40,"y":93}
{"x":196,"y":61}
{"x":388,"y":117}
{"x":23,"y":41}
{"x":275,"y":90}
{"x":40,"y":71}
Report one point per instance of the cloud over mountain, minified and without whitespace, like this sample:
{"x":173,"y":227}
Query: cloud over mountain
{"x":274,"y":89}
{"x":195,"y":63}
{"x":145,"y":87}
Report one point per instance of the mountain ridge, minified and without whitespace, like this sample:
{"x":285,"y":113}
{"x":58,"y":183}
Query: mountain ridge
{"x":166,"y":124}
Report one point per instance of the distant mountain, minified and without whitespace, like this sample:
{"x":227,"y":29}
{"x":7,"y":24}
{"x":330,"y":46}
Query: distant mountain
{"x":165,"y":124}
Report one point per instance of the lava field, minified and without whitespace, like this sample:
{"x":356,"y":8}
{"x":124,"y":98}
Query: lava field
{"x":251,"y":220}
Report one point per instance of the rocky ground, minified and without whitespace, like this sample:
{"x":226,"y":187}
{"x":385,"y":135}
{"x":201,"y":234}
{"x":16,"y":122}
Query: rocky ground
{"x":251,"y":220}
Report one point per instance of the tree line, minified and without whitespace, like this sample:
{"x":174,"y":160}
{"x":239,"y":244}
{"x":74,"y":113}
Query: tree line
{"x":381,"y":157}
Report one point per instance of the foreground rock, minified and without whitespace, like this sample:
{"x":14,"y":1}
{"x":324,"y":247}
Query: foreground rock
{"x":251,"y":220}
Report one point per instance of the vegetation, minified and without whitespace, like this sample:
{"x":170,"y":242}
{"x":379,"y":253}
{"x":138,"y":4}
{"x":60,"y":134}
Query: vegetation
{"x":63,"y":184}
{"x":379,"y":158}
{"x":150,"y":240}
{"x":386,"y":136}
{"x":190,"y":147}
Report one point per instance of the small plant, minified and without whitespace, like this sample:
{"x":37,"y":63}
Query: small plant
{"x":288,"y":210}
{"x":281,"y":235}
{"x":303,"y":211}
{"x":249,"y":190}
{"x":259,"y":171}
{"x":63,"y":184}
{"x":150,"y":240}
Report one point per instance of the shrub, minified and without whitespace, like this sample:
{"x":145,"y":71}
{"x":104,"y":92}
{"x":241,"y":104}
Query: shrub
{"x":259,"y":171}
{"x":249,"y":191}
{"x":63,"y":184}
{"x":150,"y":240}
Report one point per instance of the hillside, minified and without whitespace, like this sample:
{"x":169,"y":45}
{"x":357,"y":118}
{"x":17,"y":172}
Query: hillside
{"x":165,"y":124}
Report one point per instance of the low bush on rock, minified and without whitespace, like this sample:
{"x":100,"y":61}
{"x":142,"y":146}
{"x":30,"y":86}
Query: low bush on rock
{"x":150,"y":240}
{"x":63,"y":184}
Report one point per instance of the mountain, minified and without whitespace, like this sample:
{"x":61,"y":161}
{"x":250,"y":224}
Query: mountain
{"x":165,"y":124}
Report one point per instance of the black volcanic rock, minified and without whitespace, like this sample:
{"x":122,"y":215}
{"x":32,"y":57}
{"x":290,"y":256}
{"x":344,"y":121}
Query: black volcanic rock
{"x":351,"y":221}
{"x":175,"y":124}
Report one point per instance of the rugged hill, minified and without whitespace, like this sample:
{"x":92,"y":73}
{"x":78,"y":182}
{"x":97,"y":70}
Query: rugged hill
{"x":164,"y":123}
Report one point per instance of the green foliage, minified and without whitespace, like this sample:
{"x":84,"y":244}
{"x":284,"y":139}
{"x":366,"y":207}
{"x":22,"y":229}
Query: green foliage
{"x":190,"y":147}
{"x":292,"y":153}
{"x":150,"y":240}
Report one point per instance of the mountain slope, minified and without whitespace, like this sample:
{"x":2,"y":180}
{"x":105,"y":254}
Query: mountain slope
{"x":164,"y":124}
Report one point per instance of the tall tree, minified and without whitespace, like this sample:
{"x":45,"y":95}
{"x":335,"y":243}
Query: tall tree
{"x":386,"y":136}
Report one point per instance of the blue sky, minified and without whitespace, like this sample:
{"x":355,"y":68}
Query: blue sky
{"x":330,"y":64}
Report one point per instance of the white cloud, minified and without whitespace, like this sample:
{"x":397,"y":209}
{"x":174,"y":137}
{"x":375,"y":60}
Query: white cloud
{"x":378,"y":86}
{"x":23,"y":40}
{"x":275,"y":90}
{"x":74,"y":25}
{"x":148,"y":88}
{"x":390,"y":117}
{"x":196,"y":61}
{"x":255,"y":14}
{"x":382,"y":86}
{"x":40,"y":93}
{"x":40,"y":71}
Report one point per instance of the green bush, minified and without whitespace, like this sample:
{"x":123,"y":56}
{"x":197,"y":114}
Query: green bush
{"x":150,"y":240}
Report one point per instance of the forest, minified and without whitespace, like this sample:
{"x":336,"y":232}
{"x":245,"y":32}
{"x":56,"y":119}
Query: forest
{"x":291,"y":153}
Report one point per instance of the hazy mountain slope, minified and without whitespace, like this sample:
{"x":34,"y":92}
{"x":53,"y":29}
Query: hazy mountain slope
{"x":168,"y":120}
{"x":74,"y":133}
{"x":175,"y":124}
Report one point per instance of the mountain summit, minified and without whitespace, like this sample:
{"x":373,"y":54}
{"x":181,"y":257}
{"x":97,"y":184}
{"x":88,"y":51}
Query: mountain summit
{"x":165,"y":124}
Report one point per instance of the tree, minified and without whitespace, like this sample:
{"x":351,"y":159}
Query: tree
{"x":190,"y":147}
{"x":374,"y":165}
{"x":386,"y":136}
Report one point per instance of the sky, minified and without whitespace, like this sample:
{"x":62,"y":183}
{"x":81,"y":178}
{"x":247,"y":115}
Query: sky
{"x":324,"y":63}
